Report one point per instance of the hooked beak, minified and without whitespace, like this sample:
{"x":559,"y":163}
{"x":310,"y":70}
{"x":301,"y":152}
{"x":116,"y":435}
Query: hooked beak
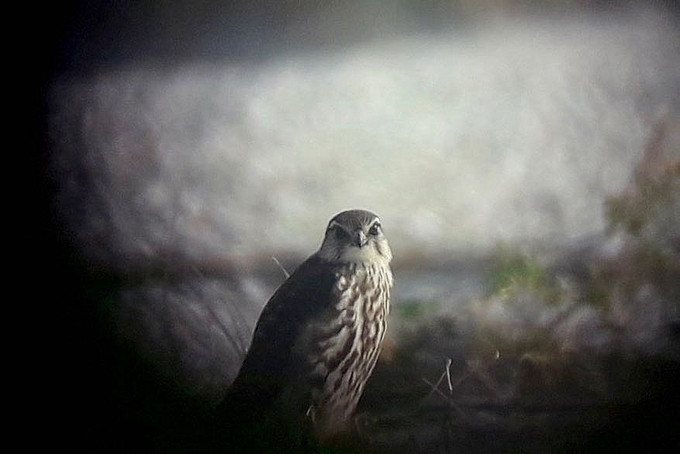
{"x":360,"y":239}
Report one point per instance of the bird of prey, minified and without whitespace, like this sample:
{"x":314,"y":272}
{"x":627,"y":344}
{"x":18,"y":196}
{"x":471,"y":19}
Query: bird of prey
{"x":315,"y":344}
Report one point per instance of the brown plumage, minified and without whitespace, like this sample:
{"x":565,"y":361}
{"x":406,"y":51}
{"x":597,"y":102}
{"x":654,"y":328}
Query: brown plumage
{"x":315,"y":344}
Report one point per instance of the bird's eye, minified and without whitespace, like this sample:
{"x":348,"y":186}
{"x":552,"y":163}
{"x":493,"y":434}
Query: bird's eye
{"x":339,"y":232}
{"x":375,"y":229}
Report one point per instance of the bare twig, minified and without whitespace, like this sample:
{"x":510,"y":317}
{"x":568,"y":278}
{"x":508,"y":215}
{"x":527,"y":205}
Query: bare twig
{"x":435,"y":388}
{"x":448,"y":375}
{"x":285,"y":272}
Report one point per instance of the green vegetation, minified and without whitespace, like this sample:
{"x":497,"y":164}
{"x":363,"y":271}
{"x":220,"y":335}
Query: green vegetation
{"x":651,"y":200}
{"x":413,"y":309}
{"x":514,"y":273}
{"x":646,"y":215}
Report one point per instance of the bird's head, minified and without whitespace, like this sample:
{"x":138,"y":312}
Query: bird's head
{"x":355,"y":236}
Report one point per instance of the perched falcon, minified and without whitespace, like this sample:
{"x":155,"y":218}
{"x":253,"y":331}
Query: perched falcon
{"x":315,"y":344}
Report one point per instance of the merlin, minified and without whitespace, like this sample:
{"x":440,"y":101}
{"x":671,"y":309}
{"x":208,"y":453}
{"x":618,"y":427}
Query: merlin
{"x":315,"y":344}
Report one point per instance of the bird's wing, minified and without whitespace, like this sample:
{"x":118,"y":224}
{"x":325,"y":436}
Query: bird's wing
{"x":271,"y":361}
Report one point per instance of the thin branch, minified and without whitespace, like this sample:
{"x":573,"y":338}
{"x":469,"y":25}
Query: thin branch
{"x":435,"y":387}
{"x":285,"y":272}
{"x":448,"y":375}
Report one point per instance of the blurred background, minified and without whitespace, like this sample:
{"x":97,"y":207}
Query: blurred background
{"x":524,"y":157}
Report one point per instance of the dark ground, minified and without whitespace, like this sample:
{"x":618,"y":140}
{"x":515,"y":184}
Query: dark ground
{"x":118,"y":400}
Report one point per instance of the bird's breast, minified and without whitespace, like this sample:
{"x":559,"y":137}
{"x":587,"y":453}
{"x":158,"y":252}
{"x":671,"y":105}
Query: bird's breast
{"x":346,"y":343}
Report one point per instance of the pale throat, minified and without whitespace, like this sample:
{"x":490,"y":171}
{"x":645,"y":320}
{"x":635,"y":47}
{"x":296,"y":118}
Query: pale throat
{"x":365,"y":256}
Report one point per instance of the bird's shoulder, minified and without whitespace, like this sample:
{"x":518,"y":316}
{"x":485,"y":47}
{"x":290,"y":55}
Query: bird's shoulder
{"x":306,"y":293}
{"x":308,"y":287}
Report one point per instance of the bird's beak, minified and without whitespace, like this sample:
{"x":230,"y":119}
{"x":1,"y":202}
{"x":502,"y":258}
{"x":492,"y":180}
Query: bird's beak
{"x":360,"y":239}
